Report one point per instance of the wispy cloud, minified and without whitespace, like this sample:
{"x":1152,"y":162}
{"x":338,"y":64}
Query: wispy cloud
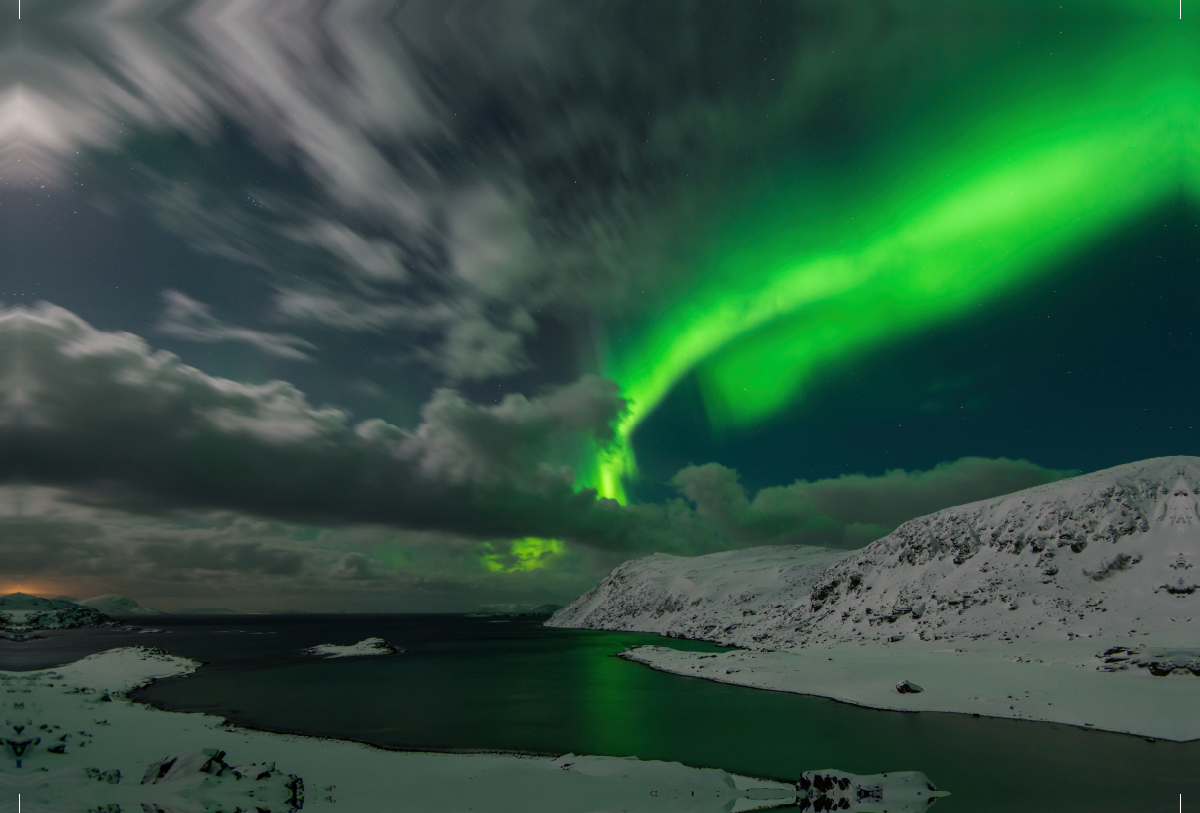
{"x":185,"y":318}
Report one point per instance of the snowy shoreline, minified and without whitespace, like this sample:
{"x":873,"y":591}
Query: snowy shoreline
{"x":1046,"y":682}
{"x":72,"y":739}
{"x":1072,"y":602}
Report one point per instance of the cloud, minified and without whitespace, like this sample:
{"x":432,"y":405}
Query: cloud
{"x":152,"y":473}
{"x":357,"y":567}
{"x":851,"y":510}
{"x":348,"y":312}
{"x":452,"y":169}
{"x":242,"y":557}
{"x":475,"y":348}
{"x":185,"y":318}
{"x":369,"y":261}
{"x":105,"y":414}
{"x":35,"y":546}
{"x":51,"y":544}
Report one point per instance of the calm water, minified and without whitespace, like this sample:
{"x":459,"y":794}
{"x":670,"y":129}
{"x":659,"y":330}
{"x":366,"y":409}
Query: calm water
{"x":475,"y":684}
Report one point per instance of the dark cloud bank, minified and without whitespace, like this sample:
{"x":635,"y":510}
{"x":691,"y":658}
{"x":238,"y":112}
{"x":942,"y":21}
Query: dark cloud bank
{"x":122,"y":426}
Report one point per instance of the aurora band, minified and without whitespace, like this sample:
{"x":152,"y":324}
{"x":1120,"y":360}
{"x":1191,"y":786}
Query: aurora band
{"x":989,"y":193}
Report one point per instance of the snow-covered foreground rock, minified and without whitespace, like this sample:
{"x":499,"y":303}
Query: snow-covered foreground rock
{"x":71,"y":742}
{"x":21,"y":612}
{"x":1107,"y":561}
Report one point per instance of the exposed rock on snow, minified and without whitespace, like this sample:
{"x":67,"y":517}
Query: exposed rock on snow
{"x":113,"y":604}
{"x":1108,"y":555}
{"x":908,"y":687}
{"x":204,"y":774}
{"x":368,"y":646}
{"x":736,"y":597}
{"x":838,"y":790}
{"x":1159,"y":662}
{"x":21,"y":612}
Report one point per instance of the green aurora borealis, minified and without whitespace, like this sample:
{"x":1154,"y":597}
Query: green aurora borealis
{"x":765,"y":272}
{"x":988,"y":191}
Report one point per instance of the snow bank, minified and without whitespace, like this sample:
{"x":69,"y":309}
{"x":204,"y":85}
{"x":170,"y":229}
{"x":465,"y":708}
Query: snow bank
{"x":1061,"y":682}
{"x":74,"y":742}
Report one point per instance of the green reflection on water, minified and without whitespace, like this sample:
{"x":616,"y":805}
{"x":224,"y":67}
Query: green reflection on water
{"x":516,"y":686}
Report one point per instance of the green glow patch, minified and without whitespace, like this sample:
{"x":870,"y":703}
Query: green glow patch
{"x":530,"y":553}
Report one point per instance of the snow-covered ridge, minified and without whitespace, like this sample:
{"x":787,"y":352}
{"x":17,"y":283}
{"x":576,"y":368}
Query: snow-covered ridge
{"x":731,"y":597}
{"x":1109,"y":555}
{"x":21,"y":612}
{"x":113,"y":604}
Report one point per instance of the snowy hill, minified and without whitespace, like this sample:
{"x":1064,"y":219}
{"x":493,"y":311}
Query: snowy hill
{"x":739,"y":596}
{"x":113,"y":604}
{"x":20,"y":612}
{"x":1109,"y":555}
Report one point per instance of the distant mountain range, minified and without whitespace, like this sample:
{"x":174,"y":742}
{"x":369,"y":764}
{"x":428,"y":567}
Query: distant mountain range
{"x":113,"y":604}
{"x":541,"y":610}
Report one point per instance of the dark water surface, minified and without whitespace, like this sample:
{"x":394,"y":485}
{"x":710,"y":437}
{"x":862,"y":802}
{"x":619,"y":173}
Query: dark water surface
{"x":471,"y":683}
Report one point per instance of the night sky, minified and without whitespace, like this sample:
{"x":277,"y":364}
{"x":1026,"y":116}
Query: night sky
{"x":435,"y":306}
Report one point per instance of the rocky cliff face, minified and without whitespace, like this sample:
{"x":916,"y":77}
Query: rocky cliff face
{"x":1111,"y":554}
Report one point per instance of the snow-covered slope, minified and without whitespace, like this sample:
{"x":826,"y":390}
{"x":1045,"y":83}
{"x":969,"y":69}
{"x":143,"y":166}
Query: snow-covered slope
{"x":20,"y":612}
{"x":113,"y":604}
{"x":1111,"y":555}
{"x":735,"y":596}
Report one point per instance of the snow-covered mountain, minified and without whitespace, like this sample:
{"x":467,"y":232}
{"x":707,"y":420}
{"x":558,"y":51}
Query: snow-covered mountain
{"x":20,"y":612}
{"x":114,"y":604}
{"x":1111,"y":554}
{"x":737,"y":596}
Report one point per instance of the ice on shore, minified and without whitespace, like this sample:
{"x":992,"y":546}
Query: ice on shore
{"x":1104,"y":560}
{"x":367,"y":646}
{"x":73,"y":741}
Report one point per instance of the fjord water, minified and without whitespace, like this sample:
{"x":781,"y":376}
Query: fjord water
{"x":489,"y":684}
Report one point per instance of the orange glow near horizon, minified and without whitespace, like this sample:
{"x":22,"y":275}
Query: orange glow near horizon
{"x":42,"y":589}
